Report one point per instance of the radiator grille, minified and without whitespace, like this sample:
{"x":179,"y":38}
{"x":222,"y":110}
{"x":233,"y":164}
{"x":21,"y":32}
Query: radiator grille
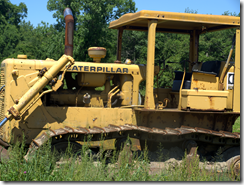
{"x":2,"y":82}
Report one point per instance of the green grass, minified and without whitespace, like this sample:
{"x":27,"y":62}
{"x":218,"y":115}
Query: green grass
{"x":103,"y":166}
{"x":236,"y":126}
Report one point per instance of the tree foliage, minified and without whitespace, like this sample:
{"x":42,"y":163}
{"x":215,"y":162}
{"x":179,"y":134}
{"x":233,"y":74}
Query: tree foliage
{"x":12,"y":14}
{"x":10,"y":17}
{"x":91,"y":23}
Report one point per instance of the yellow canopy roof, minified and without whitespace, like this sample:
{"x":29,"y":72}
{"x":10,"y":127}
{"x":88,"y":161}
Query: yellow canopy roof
{"x":175,"y":22}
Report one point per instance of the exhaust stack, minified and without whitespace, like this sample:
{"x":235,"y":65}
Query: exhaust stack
{"x":69,"y":31}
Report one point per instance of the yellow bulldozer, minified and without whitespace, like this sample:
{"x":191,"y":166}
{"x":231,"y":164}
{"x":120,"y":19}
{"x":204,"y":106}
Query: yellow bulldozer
{"x":198,"y":112}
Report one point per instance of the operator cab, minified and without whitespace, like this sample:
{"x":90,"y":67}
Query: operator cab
{"x":205,"y":85}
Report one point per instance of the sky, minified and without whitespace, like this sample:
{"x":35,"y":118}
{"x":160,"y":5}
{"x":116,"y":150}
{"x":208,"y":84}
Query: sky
{"x":37,"y":10}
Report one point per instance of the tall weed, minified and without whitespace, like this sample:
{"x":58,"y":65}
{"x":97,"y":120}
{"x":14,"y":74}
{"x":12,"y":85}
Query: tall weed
{"x":85,"y":165}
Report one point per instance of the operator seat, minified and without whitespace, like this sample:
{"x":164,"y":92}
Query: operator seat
{"x":208,"y":67}
{"x":178,"y":79}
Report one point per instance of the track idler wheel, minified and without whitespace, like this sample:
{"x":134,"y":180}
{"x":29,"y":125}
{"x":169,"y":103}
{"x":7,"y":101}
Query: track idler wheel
{"x":234,"y":166}
{"x":232,"y":158}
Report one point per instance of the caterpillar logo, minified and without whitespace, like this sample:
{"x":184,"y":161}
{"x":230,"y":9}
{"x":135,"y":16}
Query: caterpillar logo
{"x":99,"y":69}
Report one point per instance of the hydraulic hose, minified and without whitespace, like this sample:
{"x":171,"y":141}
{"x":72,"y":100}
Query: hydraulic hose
{"x":3,"y":121}
{"x":2,"y":88}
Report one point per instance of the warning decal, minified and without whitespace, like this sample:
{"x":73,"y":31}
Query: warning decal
{"x":230,"y":80}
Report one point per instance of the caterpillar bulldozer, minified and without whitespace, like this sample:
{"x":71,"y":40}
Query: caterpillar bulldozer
{"x":197,"y":113}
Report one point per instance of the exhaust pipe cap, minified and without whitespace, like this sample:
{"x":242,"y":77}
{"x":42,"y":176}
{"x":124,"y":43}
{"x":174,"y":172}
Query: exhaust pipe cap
{"x":67,"y":11}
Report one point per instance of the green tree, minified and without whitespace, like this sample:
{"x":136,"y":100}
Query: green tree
{"x":58,"y":7}
{"x":41,"y":42}
{"x":10,"y":17}
{"x":91,"y":23}
{"x":12,"y":14}
{"x":216,"y":45}
{"x":94,"y":24}
{"x":134,"y":46}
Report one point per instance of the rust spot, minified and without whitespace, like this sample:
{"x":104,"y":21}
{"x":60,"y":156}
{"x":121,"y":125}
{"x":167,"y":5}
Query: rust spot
{"x":35,"y":142}
{"x":14,"y":112}
{"x":195,"y":83}
{"x":211,"y":102}
{"x":70,"y":128}
{"x":52,"y":131}
{"x":207,"y":110}
{"x":117,"y":62}
{"x":99,"y":128}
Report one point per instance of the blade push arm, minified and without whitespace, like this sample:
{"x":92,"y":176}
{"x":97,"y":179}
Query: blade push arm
{"x":14,"y":111}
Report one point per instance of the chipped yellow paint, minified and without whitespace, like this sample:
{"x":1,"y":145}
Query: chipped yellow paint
{"x":204,"y":99}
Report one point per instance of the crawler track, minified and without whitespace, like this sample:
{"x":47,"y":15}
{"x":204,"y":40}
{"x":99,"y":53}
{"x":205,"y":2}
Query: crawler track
{"x":140,"y":132}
